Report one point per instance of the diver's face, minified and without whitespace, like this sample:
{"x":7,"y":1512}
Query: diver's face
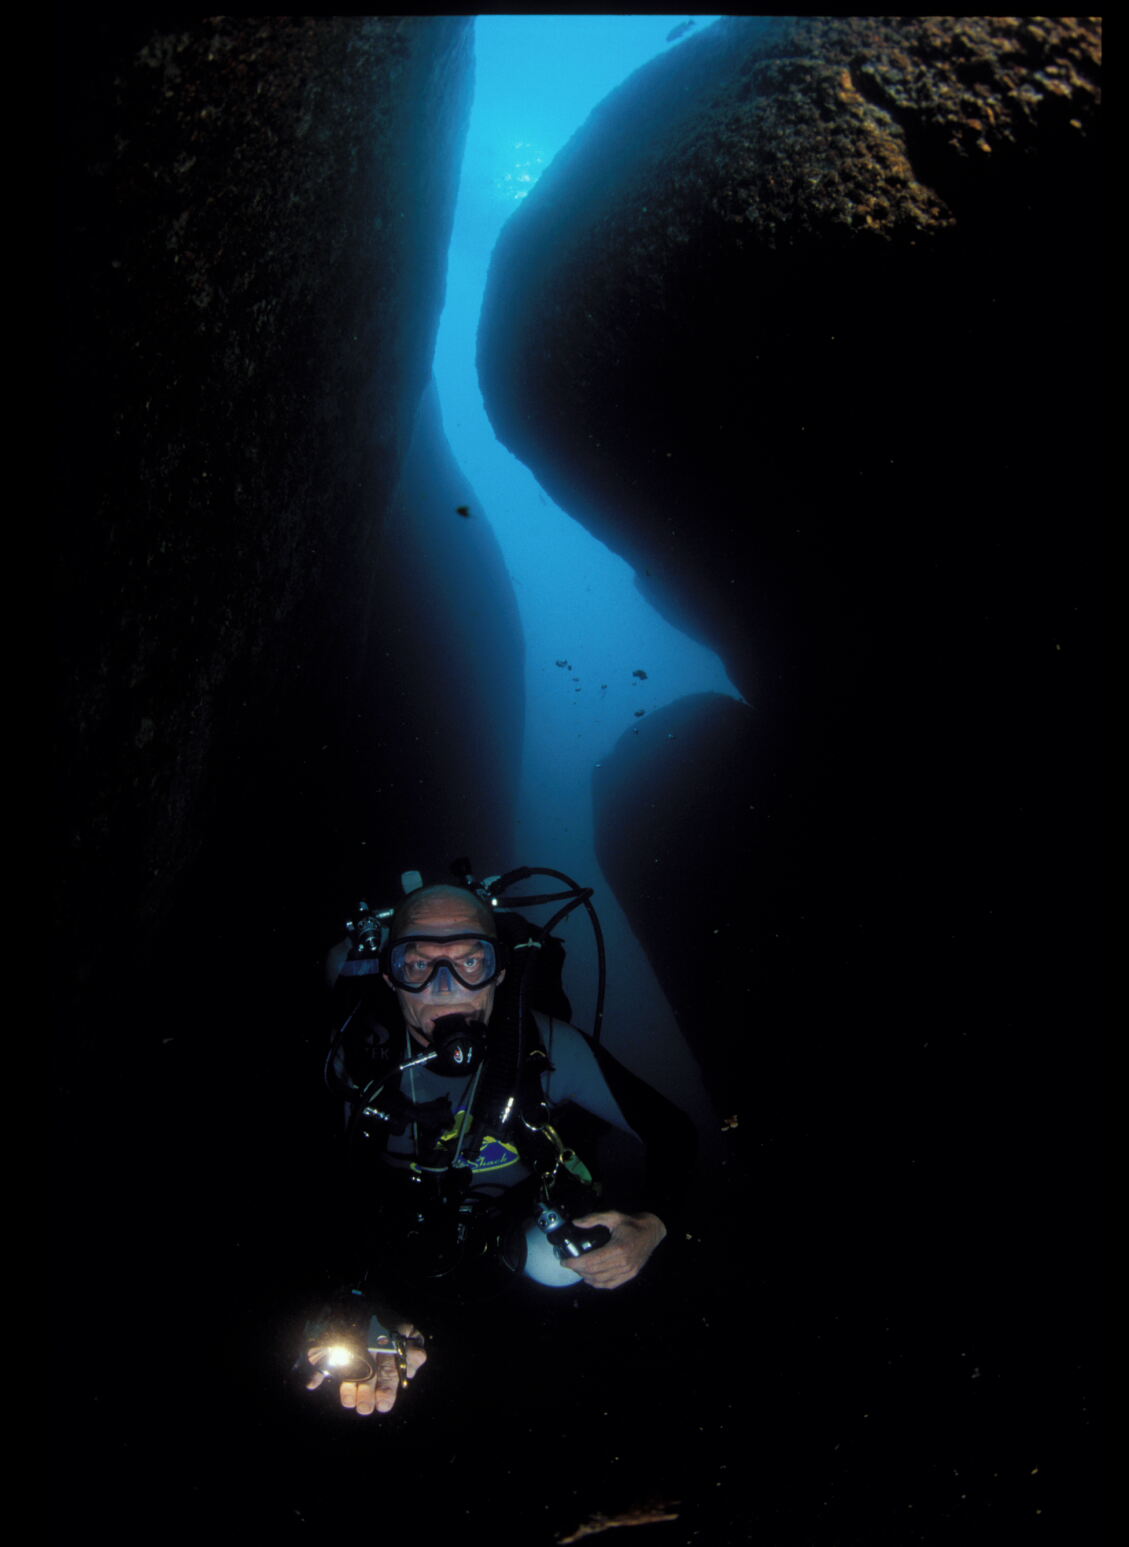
{"x":443,"y":995}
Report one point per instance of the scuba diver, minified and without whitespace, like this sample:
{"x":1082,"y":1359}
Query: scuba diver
{"x":457,"y":1165}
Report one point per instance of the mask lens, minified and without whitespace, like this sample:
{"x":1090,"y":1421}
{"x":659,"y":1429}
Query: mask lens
{"x":470,"y":960}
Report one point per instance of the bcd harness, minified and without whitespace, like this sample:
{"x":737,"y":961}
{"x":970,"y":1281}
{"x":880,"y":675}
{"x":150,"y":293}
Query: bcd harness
{"x":448,"y":1143}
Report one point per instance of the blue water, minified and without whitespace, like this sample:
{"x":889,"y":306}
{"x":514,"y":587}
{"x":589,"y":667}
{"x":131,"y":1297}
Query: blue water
{"x":538,"y":78}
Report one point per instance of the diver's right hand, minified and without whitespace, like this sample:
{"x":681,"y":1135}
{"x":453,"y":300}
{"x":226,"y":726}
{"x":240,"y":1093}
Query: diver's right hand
{"x":379,"y":1394}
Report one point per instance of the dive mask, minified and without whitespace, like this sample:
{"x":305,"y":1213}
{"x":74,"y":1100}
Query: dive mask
{"x":471,"y":961}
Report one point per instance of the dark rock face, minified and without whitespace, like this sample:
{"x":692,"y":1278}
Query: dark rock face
{"x":790,"y":283}
{"x":796,"y":325}
{"x":681,"y":833}
{"x":253,"y":219}
{"x":254,"y":222}
{"x":793,"y":323}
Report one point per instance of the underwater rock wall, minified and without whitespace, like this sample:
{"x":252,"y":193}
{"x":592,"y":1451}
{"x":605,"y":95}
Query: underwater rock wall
{"x":798,"y":324}
{"x":677,"y":830}
{"x":784,"y":280}
{"x":254,"y":216}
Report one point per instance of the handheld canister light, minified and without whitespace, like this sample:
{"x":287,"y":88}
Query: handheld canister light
{"x":569,"y":1240}
{"x":343,"y":1362}
{"x":349,"y":1333}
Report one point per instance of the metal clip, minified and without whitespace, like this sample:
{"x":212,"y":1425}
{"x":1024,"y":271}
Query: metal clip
{"x":562,"y":1154}
{"x":398,"y":1350}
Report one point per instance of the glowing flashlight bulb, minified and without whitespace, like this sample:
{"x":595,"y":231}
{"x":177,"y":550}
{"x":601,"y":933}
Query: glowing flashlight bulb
{"x":338,"y":1357}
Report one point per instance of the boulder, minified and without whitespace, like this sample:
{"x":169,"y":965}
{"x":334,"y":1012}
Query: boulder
{"x":800,"y":324}
{"x":778,"y":326}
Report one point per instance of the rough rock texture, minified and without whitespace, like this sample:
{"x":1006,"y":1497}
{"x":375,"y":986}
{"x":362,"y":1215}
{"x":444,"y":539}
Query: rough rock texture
{"x":742,"y":319}
{"x":254,"y":219}
{"x":801,"y":324}
{"x":797,"y":324}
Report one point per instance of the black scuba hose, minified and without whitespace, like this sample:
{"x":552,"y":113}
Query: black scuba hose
{"x":511,"y":1082}
{"x":333,"y":1082}
{"x":579,"y":894}
{"x":504,"y":1078}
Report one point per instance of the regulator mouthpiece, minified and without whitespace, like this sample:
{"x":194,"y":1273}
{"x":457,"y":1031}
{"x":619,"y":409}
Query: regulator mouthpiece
{"x":458,"y":1045}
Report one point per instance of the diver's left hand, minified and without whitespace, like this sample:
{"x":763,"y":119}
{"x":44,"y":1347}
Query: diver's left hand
{"x":634,"y":1238}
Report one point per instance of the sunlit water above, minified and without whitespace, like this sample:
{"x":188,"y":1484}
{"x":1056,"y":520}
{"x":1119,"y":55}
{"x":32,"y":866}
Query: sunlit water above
{"x":596,"y":652}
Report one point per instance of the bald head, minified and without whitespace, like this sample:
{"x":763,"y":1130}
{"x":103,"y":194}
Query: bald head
{"x":444,"y":908}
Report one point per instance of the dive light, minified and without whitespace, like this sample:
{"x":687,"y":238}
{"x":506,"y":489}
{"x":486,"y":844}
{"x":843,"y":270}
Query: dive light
{"x":569,"y":1240}
{"x":349,"y":1331}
